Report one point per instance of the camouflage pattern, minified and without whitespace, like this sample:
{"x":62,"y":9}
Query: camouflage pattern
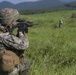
{"x":1,"y":27}
{"x":23,"y":69}
{"x":11,"y":47}
{"x":8,"y":15}
{"x":20,"y":43}
{"x":17,"y":43}
{"x":11,"y":41}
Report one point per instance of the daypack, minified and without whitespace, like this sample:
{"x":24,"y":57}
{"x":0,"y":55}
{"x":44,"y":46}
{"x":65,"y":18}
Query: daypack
{"x":8,"y":60}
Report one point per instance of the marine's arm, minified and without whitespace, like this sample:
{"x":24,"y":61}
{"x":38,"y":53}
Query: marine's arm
{"x":18,"y":43}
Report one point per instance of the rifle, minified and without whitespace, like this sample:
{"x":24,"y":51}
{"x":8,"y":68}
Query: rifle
{"x":22,"y":26}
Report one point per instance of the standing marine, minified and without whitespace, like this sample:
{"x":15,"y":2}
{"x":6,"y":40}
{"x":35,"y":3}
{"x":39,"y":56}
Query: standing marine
{"x":60,"y":23}
{"x":12,"y":47}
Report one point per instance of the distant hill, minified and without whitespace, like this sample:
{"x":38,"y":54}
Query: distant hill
{"x":67,"y":1}
{"x":5,"y":4}
{"x":43,"y":4}
{"x":71,"y":4}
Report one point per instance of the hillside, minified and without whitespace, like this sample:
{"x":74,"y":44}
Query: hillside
{"x":52,"y":51}
{"x":71,"y":4}
{"x":39,"y":5}
{"x":67,"y":1}
{"x":42,"y":4}
{"x":6,"y":4}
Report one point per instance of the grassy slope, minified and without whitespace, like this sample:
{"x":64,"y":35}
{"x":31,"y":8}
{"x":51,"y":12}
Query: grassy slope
{"x":52,"y":51}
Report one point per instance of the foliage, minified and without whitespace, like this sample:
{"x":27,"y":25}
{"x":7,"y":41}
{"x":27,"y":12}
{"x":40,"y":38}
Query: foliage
{"x":52,"y":50}
{"x":24,"y":12}
{"x":42,"y":11}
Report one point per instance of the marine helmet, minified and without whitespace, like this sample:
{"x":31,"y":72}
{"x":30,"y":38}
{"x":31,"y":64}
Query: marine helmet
{"x":8,"y":15}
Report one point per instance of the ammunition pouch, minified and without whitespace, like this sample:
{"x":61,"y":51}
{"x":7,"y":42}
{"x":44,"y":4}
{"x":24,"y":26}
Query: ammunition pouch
{"x":8,"y":60}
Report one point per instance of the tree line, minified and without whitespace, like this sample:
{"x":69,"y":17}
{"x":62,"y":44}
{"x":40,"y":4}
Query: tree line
{"x":27,"y":12}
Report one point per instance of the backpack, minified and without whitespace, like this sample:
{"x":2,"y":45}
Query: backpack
{"x":8,"y":60}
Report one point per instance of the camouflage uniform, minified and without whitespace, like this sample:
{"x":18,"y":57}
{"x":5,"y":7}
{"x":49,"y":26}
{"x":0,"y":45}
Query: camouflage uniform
{"x":11,"y":47}
{"x":18,"y":43}
{"x":60,"y":23}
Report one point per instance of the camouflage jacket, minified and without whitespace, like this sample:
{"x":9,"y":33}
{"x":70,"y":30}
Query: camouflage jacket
{"x":13,"y":42}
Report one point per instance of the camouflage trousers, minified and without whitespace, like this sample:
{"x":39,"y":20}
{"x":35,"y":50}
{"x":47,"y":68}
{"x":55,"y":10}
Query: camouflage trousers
{"x":23,"y":69}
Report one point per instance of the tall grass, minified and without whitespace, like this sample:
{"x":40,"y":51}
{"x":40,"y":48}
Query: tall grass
{"x":52,"y":51}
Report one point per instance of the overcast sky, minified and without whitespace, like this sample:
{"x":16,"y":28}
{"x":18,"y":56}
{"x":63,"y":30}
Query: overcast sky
{"x":18,"y":1}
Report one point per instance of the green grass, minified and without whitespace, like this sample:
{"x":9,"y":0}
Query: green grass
{"x":52,"y":51}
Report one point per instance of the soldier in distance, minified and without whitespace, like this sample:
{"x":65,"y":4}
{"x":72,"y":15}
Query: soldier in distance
{"x":60,"y":23}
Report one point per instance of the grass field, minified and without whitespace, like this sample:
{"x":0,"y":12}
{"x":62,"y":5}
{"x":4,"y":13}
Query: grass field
{"x":52,"y":51}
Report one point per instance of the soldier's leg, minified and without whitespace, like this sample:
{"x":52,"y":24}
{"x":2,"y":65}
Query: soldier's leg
{"x":25,"y":67}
